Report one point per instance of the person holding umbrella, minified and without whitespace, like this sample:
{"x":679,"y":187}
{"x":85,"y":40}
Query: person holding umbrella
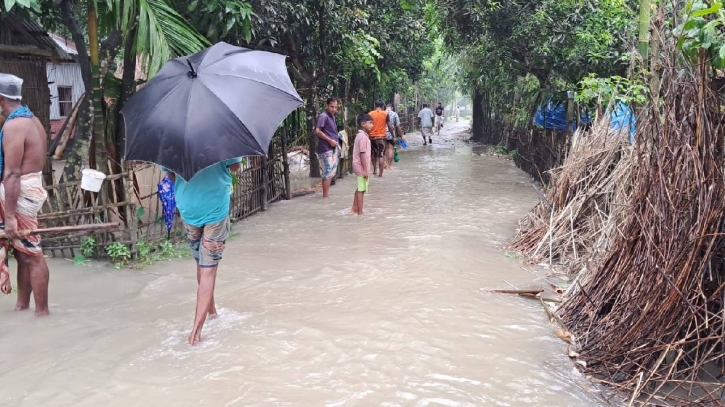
{"x":203,"y":203}
{"x":196,"y":118}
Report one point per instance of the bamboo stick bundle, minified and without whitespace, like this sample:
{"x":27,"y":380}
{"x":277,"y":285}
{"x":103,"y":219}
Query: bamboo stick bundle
{"x":575,"y":221}
{"x":649,"y":318}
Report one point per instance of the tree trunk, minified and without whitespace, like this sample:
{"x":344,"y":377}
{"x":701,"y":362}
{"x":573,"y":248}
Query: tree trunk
{"x":128,"y":86}
{"x":76,"y":156}
{"x":477,"y":125}
{"x":99,"y":133}
{"x":311,"y":121}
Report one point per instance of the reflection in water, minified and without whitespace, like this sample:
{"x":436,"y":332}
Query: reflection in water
{"x":317,"y":308}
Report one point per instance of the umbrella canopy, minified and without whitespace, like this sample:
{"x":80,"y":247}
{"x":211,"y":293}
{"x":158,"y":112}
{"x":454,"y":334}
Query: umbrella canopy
{"x":199,"y":110}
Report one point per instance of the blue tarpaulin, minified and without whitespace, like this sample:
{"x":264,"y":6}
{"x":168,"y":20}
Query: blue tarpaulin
{"x":623,"y":117}
{"x":555,"y":117}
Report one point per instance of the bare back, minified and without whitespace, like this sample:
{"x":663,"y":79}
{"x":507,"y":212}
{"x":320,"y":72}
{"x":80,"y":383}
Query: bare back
{"x":35,"y":146}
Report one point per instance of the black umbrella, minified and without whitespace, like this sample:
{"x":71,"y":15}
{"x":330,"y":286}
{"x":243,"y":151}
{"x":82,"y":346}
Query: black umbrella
{"x":220,"y":103}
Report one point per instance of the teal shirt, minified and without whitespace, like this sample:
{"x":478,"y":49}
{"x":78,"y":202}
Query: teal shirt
{"x":204,"y":200}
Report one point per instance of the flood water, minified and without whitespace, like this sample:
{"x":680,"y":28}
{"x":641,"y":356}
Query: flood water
{"x":318,"y":308}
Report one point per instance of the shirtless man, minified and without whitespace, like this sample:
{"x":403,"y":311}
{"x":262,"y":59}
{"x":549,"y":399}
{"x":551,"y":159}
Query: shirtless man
{"x":24,"y":150}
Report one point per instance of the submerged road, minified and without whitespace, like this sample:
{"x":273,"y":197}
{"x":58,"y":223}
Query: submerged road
{"x":317,"y":307}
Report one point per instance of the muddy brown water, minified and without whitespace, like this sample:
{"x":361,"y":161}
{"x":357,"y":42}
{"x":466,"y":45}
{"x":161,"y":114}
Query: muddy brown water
{"x":318,"y":308}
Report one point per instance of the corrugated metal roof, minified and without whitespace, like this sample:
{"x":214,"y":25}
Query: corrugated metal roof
{"x":29,"y":33}
{"x":67,"y":45}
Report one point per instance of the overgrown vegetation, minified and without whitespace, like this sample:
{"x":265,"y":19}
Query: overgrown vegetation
{"x":516,"y":54}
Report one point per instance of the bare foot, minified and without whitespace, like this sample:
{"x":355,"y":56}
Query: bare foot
{"x":6,"y":286}
{"x":195,"y":336}
{"x":42,"y":313}
{"x":21,"y":307}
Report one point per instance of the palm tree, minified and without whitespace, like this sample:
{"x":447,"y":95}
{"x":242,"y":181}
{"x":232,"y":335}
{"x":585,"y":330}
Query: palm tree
{"x":147,"y":30}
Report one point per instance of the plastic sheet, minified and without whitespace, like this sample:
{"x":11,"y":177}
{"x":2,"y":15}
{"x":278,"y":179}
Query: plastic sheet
{"x":622,"y":117}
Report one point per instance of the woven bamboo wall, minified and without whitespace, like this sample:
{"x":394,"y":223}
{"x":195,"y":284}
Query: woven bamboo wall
{"x":35,"y":86}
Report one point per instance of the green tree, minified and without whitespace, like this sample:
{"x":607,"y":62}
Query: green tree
{"x":147,"y":30}
{"x":556,"y":42}
{"x":321,"y":39}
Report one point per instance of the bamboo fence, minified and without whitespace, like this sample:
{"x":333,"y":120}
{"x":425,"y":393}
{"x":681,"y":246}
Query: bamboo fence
{"x":261,"y":181}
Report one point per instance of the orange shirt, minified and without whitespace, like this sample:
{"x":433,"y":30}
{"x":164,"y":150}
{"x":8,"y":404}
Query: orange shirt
{"x":380,"y":123}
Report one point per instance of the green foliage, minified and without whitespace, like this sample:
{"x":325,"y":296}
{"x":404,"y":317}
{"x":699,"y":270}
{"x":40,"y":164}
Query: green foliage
{"x":703,"y":31}
{"x":33,"y":5}
{"x":168,"y":251}
{"x":88,"y":246}
{"x":88,"y":250}
{"x":119,"y":253}
{"x":514,"y":53}
{"x":606,"y":91}
{"x":222,"y":20}
{"x":149,"y":253}
{"x":501,"y":150}
{"x":143,"y":251}
{"x":162,"y":33}
{"x":363,"y":48}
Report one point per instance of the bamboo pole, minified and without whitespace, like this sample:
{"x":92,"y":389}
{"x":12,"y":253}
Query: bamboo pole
{"x":65,"y":229}
{"x":645,"y":10}
{"x":265,"y":182}
{"x":285,"y":165}
{"x":16,"y":49}
{"x":67,"y":131}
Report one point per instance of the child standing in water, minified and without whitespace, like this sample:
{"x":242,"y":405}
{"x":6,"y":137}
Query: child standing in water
{"x":361,"y":156}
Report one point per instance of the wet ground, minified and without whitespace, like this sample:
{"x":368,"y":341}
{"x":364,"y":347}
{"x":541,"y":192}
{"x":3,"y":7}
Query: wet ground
{"x":318,"y":308}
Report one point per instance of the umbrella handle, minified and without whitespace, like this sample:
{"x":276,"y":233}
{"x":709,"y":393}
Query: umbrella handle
{"x":192,"y":73}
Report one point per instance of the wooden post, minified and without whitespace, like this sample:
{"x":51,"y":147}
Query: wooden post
{"x":285,"y":166}
{"x":265,"y":182}
{"x":569,"y":112}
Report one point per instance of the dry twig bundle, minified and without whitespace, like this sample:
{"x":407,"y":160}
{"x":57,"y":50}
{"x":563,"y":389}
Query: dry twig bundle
{"x":649,"y":320}
{"x":579,"y":216}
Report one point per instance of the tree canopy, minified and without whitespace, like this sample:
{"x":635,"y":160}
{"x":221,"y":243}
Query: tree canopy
{"x":500,"y":53}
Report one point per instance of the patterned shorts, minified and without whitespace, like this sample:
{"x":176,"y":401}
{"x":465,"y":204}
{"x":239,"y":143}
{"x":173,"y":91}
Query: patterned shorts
{"x":207,"y":242}
{"x":378,"y":146}
{"x":328,"y":164}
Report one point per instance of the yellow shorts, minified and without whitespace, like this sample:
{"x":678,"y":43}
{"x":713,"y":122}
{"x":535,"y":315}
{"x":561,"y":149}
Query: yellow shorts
{"x":362,"y":184}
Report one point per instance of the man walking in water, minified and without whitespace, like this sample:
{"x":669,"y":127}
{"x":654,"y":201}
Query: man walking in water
{"x":203,"y":203}
{"x":381,"y":122}
{"x":22,"y":159}
{"x":326,"y":131}
{"x":439,"y":114}
{"x":426,"y":123}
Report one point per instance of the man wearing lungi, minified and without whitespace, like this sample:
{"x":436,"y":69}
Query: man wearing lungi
{"x":23,"y":153}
